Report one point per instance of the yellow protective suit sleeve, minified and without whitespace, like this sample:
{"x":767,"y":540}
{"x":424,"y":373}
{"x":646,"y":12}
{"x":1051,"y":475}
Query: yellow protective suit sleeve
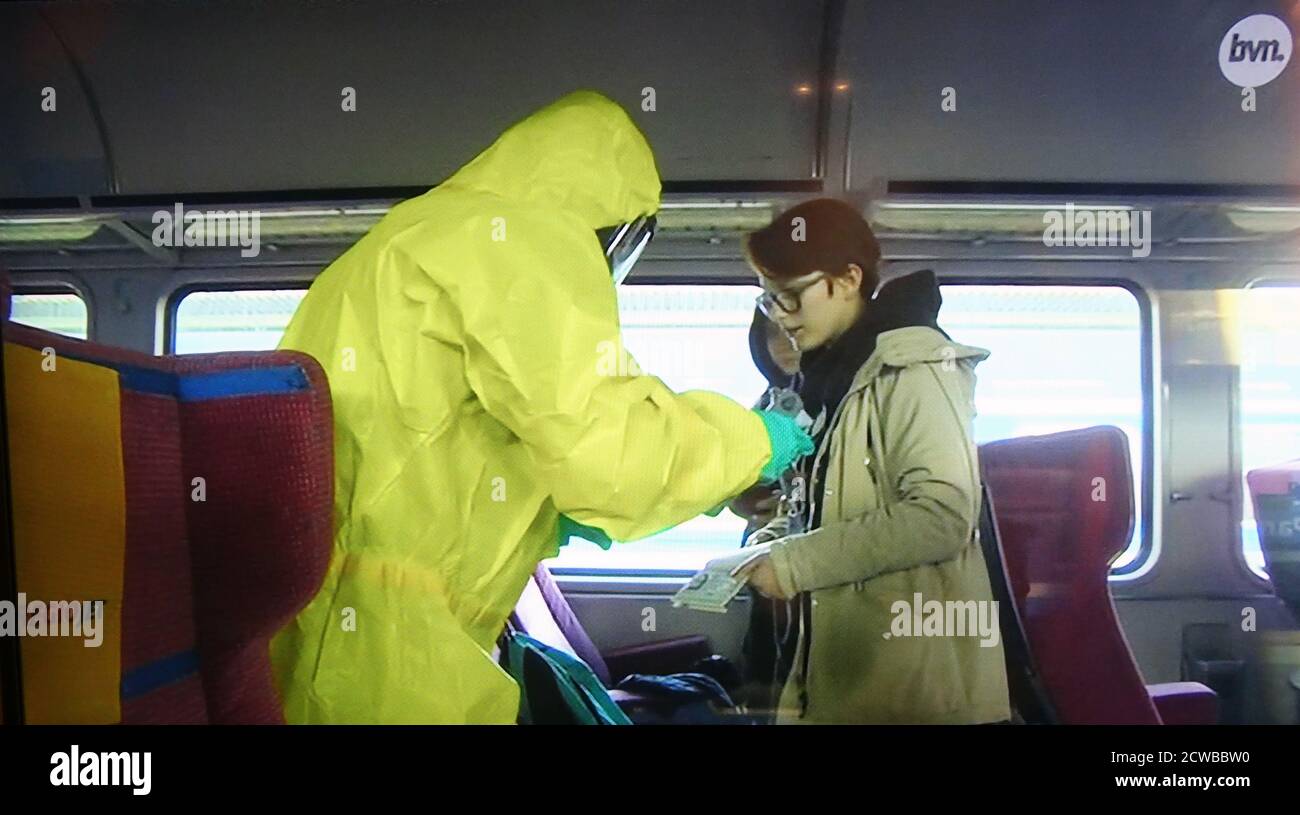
{"x":543,"y":353}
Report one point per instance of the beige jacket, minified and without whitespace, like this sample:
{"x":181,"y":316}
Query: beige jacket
{"x":898,"y":525}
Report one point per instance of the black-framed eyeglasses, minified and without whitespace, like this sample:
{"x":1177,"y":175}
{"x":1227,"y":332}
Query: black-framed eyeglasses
{"x":788,"y":301}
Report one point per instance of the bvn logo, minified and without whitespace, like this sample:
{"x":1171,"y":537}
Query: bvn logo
{"x":1255,"y":50}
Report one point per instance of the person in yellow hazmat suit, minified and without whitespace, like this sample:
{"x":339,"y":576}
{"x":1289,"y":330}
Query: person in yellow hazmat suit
{"x":482,"y":408}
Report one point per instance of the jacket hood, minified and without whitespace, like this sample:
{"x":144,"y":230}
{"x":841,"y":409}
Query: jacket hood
{"x":911,"y":333}
{"x":912,"y":299}
{"x":762,"y":353}
{"x":907,"y":346}
{"x":582,"y":154}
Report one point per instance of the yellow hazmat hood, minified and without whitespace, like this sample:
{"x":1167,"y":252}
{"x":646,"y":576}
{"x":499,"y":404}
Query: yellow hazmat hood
{"x":582,"y":154}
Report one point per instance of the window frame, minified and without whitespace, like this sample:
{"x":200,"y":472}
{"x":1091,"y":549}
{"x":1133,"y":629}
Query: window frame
{"x":58,"y":287}
{"x":1264,"y":581}
{"x":649,"y":578}
{"x":1148,"y":554}
{"x":177,"y":295}
{"x":1139,"y":569}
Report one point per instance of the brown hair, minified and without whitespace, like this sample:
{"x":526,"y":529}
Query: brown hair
{"x":831,"y":235}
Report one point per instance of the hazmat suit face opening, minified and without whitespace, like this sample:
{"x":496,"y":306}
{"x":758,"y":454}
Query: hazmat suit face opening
{"x":624,"y":243}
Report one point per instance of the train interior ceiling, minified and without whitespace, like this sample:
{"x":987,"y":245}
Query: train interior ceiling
{"x":957,"y":127}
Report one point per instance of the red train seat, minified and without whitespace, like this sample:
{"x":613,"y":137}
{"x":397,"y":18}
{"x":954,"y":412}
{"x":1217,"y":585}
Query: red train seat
{"x":201,"y":491}
{"x":1275,"y":494}
{"x":1063,"y":505}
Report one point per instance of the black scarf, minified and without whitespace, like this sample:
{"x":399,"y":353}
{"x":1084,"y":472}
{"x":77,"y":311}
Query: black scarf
{"x":828,"y":371}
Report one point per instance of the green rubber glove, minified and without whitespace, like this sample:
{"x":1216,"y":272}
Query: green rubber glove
{"x":789,"y":442}
{"x":570,"y":528}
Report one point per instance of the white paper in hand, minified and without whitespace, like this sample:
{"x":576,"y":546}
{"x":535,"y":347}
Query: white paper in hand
{"x":716,"y":585}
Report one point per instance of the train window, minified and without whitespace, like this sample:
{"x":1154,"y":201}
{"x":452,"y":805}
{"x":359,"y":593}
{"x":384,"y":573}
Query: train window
{"x":239,"y":320}
{"x":60,"y":312}
{"x":1062,"y":357}
{"x":1270,"y":393}
{"x":691,"y":337}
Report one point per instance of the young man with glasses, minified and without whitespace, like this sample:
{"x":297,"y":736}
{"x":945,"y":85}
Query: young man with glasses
{"x":894,"y":486}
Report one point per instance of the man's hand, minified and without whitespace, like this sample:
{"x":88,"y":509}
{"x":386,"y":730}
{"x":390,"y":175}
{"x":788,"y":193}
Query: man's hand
{"x":760,"y":574}
{"x":758,"y":503}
